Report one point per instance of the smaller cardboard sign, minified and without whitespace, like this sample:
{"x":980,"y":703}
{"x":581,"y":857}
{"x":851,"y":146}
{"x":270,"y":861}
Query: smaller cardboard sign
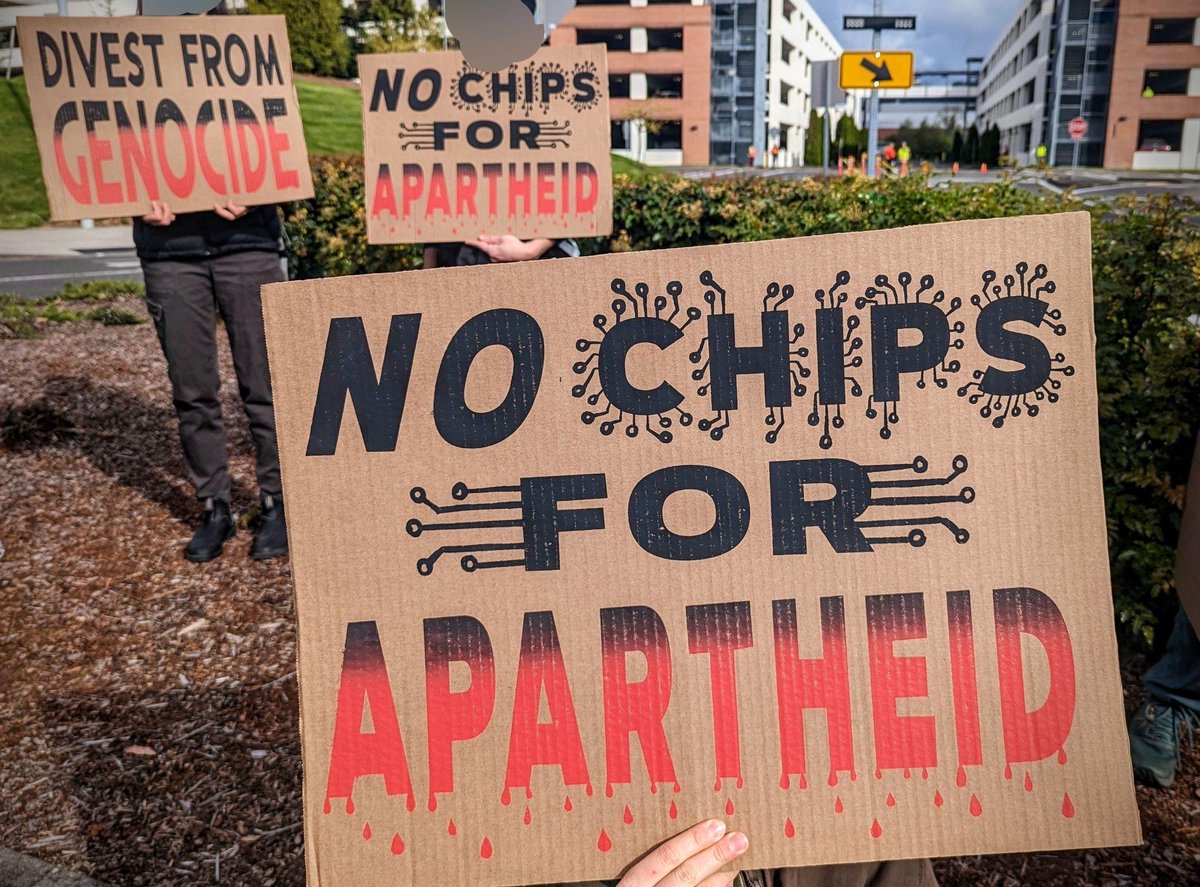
{"x":189,"y":110}
{"x":453,"y":152}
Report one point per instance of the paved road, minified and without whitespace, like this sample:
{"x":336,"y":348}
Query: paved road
{"x":36,"y":276}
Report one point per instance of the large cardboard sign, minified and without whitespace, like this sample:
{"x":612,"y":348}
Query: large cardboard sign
{"x":189,"y":110}
{"x":453,"y":152}
{"x":806,"y":534}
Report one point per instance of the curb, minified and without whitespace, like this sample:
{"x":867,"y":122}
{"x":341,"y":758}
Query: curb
{"x":19,"y":870}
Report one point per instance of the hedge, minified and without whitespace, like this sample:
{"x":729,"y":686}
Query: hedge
{"x":1146,"y":268}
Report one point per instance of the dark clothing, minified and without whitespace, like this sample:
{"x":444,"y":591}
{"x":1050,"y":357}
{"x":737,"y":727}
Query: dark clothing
{"x":204,"y":235}
{"x":452,"y":255}
{"x":185,"y":299}
{"x":892,"y":873}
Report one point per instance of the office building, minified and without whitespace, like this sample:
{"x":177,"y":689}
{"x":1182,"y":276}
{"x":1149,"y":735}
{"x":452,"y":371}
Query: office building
{"x":1154,"y":104}
{"x":659,"y":73}
{"x":1014,"y":81}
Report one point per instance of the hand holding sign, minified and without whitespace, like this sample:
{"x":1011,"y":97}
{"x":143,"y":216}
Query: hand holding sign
{"x":694,"y":857}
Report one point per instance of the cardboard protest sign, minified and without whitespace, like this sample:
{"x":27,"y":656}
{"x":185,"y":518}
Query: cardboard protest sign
{"x":452,"y":152}
{"x":806,"y":534}
{"x":189,"y":110}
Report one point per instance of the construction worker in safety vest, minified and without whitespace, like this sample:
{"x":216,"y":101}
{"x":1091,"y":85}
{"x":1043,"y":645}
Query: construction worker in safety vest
{"x":1041,"y":153}
{"x":905,"y":155}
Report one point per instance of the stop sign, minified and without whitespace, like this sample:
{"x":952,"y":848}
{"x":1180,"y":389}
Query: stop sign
{"x":1077,"y":128}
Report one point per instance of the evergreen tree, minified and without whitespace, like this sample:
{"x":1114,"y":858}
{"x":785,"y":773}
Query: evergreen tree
{"x":956,"y":147}
{"x":971,"y":146}
{"x":319,"y":45}
{"x":813,"y":139}
{"x":989,"y":145}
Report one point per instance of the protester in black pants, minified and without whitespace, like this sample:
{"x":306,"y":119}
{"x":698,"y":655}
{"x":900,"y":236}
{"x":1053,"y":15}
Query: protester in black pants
{"x":200,"y":267}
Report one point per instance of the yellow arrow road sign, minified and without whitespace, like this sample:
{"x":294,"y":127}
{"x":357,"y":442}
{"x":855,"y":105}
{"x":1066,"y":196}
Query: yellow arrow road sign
{"x":865,"y":70}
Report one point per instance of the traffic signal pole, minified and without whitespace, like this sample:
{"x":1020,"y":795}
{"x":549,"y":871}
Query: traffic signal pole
{"x":873,"y":126}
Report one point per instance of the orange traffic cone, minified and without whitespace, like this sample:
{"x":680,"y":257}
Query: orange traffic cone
{"x":954,"y":169}
{"x":983,"y":167}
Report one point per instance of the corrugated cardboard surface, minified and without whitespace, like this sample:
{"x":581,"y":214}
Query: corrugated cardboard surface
{"x":452,"y":152}
{"x":104,"y":165}
{"x":1033,"y":518}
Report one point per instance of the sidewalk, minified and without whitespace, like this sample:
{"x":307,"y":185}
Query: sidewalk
{"x":19,"y":870}
{"x":65,"y":242}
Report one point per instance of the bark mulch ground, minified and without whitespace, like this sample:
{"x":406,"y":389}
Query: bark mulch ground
{"x":148,"y":705}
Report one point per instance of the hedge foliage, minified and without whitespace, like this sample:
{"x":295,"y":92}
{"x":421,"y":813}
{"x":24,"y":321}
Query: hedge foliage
{"x":1146,"y":268}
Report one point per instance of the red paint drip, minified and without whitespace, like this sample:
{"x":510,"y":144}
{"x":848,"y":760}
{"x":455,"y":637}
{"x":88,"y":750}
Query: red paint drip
{"x":676,"y":789}
{"x":628,"y":817}
{"x":729,"y":807}
{"x":605,"y":843}
{"x":741,"y":783}
{"x":891,"y":800}
{"x":673,"y":812}
{"x":654,"y":788}
{"x":937,"y":799}
{"x":1068,"y":809}
{"x":1062,"y":756}
{"x":789,"y":829}
{"x":785,"y":782}
{"x":528,"y":793}
{"x":366,"y":831}
{"x":833,"y":780}
{"x":838,"y":807}
{"x":452,"y":829}
{"x":349,"y":805}
{"x":397,"y":845}
{"x":853,"y":775}
{"x":961,"y":779}
{"x":432,"y":802}
{"x":1008,"y":771}
{"x":876,"y":829}
{"x":717,"y":785}
{"x":328,"y":807}
{"x":878,"y":773}
{"x":924,"y":772}
{"x":567,"y":804}
{"x":528,"y":817}
{"x":588,"y":791}
{"x":1028,"y":782}
{"x":976,"y":807}
{"x":803,"y":781}
{"x":505,"y":797}
{"x":608,"y":790}
{"x":907,"y":773}
{"x":411,"y":802}
{"x":485,"y":849}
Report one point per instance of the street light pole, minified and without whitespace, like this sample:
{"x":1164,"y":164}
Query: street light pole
{"x":873,"y":133}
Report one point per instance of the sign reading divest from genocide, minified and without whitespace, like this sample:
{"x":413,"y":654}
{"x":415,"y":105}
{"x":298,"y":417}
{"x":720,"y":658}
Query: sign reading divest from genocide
{"x":452,"y":152}
{"x":803,"y":534}
{"x":189,"y":110}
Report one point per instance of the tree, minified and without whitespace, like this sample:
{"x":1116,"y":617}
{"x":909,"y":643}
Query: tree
{"x":849,"y":140}
{"x":393,"y":26}
{"x":971,"y":146}
{"x":989,"y":146}
{"x":956,"y":147}
{"x":813,"y":139}
{"x":319,"y":45}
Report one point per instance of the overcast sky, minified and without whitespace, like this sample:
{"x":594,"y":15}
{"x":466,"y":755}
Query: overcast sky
{"x":947,"y":30}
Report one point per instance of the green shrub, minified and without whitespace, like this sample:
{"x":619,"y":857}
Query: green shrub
{"x":1146,"y":267}
{"x":318,"y":43}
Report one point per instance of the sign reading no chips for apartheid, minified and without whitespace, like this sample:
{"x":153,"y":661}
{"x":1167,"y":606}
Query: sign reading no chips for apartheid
{"x":452,"y":152}
{"x":189,"y":110}
{"x":806,"y":534}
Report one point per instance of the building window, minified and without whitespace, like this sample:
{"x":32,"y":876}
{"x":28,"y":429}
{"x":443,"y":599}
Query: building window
{"x":618,"y":86}
{"x":620,"y":135}
{"x":1167,"y":81}
{"x":664,"y":86}
{"x":669,"y":135}
{"x":664,"y":39}
{"x":615,"y":40}
{"x":1172,"y":30}
{"x":1160,"y":135}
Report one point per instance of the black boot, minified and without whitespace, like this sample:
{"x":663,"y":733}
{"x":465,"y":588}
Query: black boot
{"x":271,"y":539}
{"x":210,"y":538}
